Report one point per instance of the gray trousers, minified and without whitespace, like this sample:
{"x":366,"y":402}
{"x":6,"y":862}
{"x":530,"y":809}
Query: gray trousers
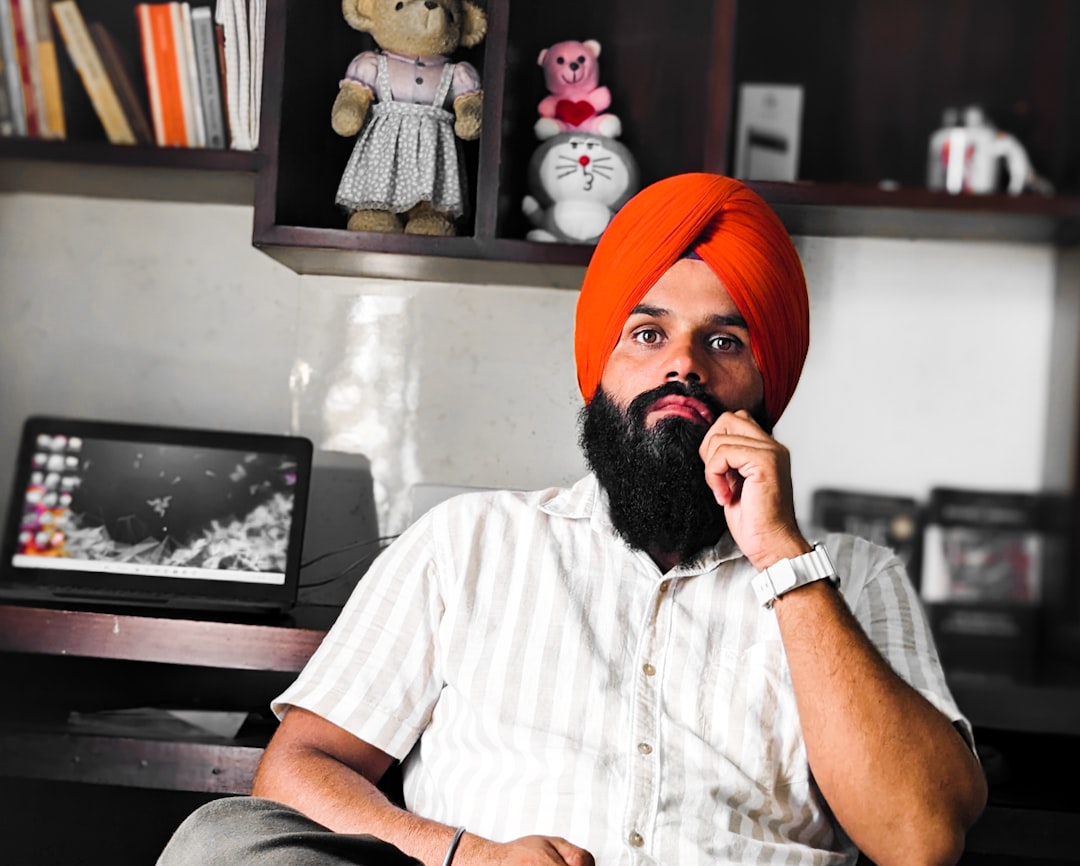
{"x":235,"y":831}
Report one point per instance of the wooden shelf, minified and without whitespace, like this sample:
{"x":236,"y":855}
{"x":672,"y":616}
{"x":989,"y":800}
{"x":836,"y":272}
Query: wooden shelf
{"x":226,"y":645}
{"x":859,"y":211}
{"x":130,"y":156}
{"x":175,"y":765}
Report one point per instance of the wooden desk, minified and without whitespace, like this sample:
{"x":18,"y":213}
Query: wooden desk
{"x":42,"y":742}
{"x":51,"y":749}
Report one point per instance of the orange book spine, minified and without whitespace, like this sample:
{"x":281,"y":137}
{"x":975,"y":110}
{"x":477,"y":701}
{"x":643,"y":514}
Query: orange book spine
{"x":166,"y":64}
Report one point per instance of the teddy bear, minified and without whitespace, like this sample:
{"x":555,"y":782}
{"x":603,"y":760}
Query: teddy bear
{"x":410,"y":104}
{"x":580,"y":180}
{"x":575,"y":100}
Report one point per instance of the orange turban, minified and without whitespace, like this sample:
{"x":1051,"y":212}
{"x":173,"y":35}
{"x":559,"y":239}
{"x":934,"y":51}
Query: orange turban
{"x":736,"y":234}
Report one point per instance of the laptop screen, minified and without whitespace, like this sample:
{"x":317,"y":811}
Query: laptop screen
{"x":156,"y":515}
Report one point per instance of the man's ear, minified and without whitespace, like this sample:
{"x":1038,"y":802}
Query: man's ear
{"x":360,"y":14}
{"x":474,"y":27}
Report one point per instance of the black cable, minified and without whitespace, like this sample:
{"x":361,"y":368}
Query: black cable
{"x":347,"y":547}
{"x":367,"y":559}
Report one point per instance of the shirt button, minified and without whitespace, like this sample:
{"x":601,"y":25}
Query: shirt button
{"x":644,"y":748}
{"x":419,"y":80}
{"x":649,"y":670}
{"x":664,"y":586}
{"x":636,"y":839}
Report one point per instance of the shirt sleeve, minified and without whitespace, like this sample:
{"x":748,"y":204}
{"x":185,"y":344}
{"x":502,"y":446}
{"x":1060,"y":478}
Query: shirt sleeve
{"x":466,"y":80}
{"x":884,"y":601}
{"x":376,"y":673}
{"x":364,"y":69}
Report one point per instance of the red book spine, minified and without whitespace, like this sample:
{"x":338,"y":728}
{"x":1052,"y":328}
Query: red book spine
{"x":24,"y":49}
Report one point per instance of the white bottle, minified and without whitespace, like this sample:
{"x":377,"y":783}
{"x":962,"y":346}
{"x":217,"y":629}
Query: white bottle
{"x":938,"y":156}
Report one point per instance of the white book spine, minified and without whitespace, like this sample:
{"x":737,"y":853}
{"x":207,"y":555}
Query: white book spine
{"x":237,"y":63}
{"x":192,"y":75}
{"x":256,"y":31}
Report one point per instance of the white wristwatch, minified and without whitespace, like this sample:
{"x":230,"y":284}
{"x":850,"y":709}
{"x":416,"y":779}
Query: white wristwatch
{"x":788,"y":574}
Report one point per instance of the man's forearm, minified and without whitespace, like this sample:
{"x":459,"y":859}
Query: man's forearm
{"x":345,"y":801}
{"x":896,"y":774}
{"x":330,"y":776}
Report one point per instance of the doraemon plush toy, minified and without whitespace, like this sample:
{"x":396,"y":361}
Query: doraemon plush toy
{"x":580,"y":180}
{"x":575,"y":102}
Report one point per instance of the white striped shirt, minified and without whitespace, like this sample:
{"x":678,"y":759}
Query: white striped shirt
{"x":541,"y":677}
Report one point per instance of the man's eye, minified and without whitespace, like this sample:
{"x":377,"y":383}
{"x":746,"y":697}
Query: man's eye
{"x":724,"y":343}
{"x":648,"y":336}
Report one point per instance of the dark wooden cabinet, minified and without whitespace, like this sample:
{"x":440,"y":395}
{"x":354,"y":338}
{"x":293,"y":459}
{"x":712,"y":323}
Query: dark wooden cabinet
{"x":877,"y":75}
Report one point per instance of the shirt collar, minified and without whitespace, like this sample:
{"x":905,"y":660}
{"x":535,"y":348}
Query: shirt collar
{"x":418,"y":60}
{"x":587,"y":500}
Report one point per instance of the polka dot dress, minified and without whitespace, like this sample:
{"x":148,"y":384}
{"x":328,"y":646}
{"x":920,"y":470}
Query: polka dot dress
{"x":406,"y":153}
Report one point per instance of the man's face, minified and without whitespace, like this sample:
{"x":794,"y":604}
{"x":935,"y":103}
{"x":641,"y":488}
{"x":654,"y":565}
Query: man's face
{"x":682,"y":359}
{"x":686,"y":329}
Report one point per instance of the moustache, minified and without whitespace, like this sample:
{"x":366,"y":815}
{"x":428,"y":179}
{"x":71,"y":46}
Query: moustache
{"x":639,"y":406}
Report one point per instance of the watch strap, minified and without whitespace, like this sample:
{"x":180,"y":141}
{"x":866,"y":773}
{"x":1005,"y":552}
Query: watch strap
{"x":787,"y":574}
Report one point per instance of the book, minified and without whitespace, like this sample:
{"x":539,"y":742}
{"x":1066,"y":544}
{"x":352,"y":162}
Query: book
{"x":12,"y":75}
{"x":122,"y":82}
{"x":256,"y":37}
{"x":206,"y":61}
{"x":24,"y":57}
{"x":890,"y":520}
{"x":982,"y":546}
{"x":7,"y":122}
{"x":986,"y":640}
{"x":189,"y":84}
{"x":52,"y":100}
{"x":88,"y":64}
{"x":162,"y":73}
{"x":233,"y":16}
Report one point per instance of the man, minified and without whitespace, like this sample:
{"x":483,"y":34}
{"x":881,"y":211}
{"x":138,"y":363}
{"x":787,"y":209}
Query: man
{"x":655,"y":666}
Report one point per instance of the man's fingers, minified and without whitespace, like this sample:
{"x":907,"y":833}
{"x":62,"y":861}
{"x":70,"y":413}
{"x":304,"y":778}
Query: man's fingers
{"x":571,"y":854}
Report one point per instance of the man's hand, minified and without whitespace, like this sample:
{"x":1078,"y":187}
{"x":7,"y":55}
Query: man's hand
{"x":527,"y":851}
{"x":750,"y":474}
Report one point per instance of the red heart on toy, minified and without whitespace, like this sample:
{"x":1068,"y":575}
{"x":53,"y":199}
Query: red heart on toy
{"x":573,"y":112}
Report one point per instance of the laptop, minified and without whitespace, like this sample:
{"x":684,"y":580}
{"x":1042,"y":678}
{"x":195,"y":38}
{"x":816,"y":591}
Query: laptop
{"x":106,"y":514}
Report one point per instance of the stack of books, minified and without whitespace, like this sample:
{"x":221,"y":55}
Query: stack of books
{"x":201,"y":69}
{"x":30,"y":99}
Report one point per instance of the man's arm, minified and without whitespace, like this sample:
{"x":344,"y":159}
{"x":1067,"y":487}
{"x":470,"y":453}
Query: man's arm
{"x":897,"y":775}
{"x":329,"y":775}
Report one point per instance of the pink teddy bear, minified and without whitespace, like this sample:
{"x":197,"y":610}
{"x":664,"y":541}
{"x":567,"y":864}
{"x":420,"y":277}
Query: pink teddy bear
{"x":576,"y":102}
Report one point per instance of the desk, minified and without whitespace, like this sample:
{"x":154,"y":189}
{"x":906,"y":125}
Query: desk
{"x":39,"y":741}
{"x":46,"y":747}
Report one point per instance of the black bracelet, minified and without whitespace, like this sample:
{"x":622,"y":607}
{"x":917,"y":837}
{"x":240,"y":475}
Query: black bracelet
{"x":449,"y":858}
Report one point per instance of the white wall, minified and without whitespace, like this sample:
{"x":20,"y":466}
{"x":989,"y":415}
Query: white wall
{"x":930,"y":363}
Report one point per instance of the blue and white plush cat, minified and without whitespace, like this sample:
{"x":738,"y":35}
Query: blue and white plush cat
{"x":578,"y":181}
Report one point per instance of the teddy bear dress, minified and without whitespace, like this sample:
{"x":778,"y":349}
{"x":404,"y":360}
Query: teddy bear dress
{"x":406,"y":153}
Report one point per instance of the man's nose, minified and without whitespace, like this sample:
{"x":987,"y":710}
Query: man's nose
{"x":686,"y":362}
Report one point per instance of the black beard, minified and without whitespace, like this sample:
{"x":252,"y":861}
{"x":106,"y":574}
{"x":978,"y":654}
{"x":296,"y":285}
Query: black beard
{"x":654,"y":478}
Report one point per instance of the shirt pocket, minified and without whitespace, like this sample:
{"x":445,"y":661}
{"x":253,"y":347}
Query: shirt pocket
{"x":749,"y":721}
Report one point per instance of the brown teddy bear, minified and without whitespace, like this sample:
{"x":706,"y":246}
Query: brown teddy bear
{"x":408,"y":102}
